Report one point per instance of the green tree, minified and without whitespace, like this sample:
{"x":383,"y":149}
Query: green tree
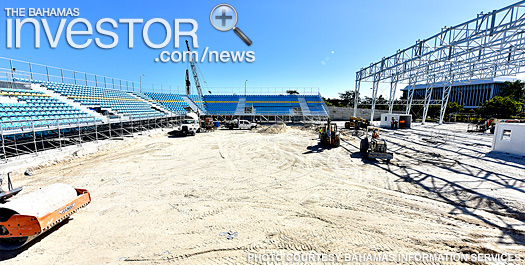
{"x":514,"y":89}
{"x":433,"y":111}
{"x":453,"y":107}
{"x":348,"y":97}
{"x":327,"y":101}
{"x":500,"y":107}
{"x":381,"y":100}
{"x":367,"y":100}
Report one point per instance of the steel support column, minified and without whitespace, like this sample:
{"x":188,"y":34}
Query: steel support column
{"x":428,"y":95}
{"x":410,"y":94}
{"x":447,"y":87}
{"x":393,"y":87}
{"x":375,"y":87}
{"x":3,"y":142}
{"x":356,"y":94}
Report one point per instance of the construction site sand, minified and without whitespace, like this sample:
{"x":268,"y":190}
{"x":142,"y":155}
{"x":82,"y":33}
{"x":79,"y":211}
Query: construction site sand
{"x":157,"y":199}
{"x":272,"y":129}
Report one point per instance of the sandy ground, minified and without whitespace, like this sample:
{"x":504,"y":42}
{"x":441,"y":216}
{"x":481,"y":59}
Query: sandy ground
{"x":158,"y":200}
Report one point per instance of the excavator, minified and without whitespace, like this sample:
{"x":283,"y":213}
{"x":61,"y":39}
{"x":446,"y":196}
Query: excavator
{"x":24,"y":218}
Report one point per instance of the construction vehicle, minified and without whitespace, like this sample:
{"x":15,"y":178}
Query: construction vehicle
{"x":356,"y":123}
{"x":489,"y":124}
{"x":189,"y":126}
{"x":23,"y":218}
{"x":240,"y":124}
{"x":483,"y":126}
{"x":374,"y":147}
{"x":329,"y":135}
{"x":208,"y":125}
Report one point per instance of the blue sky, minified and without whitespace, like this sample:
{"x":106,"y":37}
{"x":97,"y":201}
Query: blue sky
{"x":292,"y":40}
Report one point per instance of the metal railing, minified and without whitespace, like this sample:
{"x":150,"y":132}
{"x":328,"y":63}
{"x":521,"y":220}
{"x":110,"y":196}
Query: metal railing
{"x":34,"y":71}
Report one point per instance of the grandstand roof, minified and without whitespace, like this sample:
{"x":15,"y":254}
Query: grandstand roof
{"x":472,"y":82}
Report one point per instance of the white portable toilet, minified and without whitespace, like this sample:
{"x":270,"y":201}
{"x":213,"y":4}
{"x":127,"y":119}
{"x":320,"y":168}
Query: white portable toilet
{"x":509,"y":138}
{"x":404,"y":121}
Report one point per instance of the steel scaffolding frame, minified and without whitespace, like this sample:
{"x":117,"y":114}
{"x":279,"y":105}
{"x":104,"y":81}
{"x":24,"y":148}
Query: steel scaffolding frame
{"x":274,"y":118}
{"x":491,"y":45}
{"x":36,"y":140}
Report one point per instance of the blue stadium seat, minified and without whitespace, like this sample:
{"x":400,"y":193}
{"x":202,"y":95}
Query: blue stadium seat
{"x":33,"y":109}
{"x":118,"y":101}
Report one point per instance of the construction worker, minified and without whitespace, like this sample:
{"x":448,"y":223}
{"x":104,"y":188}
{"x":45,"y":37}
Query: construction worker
{"x":393,"y":123}
{"x":375,"y":134}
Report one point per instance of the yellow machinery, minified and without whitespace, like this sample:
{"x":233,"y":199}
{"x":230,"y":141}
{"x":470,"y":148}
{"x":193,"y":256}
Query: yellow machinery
{"x":356,"y":123}
{"x":374,"y":147}
{"x":329,"y":135}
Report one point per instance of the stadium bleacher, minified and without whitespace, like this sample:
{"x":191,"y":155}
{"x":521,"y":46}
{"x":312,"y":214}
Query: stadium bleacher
{"x":315,"y":104}
{"x":266,"y":104}
{"x":198,"y":100}
{"x":273,"y":104}
{"x":33,"y":108}
{"x":30,"y":108}
{"x":115,"y":100}
{"x":221,"y":104}
{"x":228,"y":104}
{"x":173,"y":102}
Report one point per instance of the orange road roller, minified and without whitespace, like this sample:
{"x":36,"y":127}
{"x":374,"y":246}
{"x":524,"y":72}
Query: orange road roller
{"x":25,"y":217}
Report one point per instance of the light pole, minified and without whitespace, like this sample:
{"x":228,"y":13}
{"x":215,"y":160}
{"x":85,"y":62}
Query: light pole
{"x":141,"y":82}
{"x":245,"y":86}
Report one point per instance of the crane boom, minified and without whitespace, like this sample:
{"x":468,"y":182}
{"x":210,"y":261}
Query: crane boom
{"x":188,"y":84}
{"x":194,"y":71}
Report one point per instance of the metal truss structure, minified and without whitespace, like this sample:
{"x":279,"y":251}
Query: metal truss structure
{"x":491,"y":45}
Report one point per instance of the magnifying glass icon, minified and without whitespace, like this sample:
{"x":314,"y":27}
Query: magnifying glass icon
{"x":223,"y":17}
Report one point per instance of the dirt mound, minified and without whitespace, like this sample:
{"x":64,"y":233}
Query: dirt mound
{"x":273,"y":129}
{"x":309,"y":127}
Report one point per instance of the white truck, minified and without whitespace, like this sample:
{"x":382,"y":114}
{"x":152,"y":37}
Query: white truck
{"x":240,"y":124}
{"x":189,"y":126}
